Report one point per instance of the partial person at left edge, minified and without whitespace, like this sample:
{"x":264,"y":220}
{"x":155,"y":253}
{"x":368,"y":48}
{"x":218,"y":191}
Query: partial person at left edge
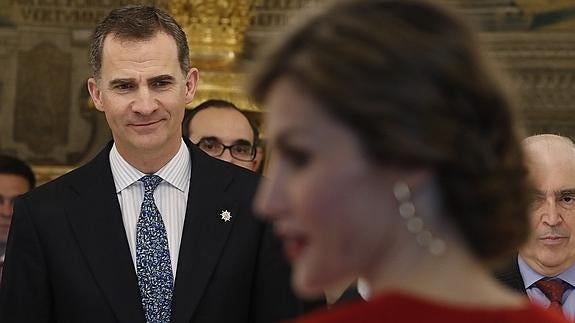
{"x":16,"y":178}
{"x":152,"y":229}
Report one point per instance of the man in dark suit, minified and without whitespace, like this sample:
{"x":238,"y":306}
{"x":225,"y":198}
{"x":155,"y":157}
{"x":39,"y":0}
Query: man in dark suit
{"x":545,"y":266}
{"x":152,"y":229}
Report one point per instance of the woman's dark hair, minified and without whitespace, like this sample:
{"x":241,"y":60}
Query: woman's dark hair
{"x":408,"y":77}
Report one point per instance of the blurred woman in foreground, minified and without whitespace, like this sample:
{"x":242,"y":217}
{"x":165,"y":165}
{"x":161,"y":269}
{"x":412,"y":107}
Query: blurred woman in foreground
{"x":395,"y":159}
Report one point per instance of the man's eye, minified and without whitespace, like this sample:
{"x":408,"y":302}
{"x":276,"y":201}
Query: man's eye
{"x":567,"y":199}
{"x":161,"y":84}
{"x":243,"y":149}
{"x":209,"y":145}
{"x":124,"y":86}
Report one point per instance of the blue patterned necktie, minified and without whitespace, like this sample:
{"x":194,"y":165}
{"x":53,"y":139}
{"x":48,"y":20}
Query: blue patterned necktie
{"x":153,"y":264}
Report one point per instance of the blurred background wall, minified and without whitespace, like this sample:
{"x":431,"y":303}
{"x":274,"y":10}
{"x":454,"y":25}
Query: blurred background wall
{"x":46,"y":116}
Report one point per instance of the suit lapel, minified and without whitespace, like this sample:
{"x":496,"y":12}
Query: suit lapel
{"x":204,"y":234}
{"x":96,"y":220}
{"x":510,"y":275}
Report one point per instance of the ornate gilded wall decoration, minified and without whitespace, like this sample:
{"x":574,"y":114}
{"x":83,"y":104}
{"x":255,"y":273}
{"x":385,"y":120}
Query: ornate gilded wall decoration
{"x":549,"y":14}
{"x":69,"y":13}
{"x":215,"y":29}
{"x":42,"y":112}
{"x":47,"y":122}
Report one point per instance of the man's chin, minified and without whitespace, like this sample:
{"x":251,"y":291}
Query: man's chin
{"x":552,"y":262}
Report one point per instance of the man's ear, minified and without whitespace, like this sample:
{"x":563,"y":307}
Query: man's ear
{"x":95,"y":93}
{"x":191,"y":84}
{"x":258,"y":159}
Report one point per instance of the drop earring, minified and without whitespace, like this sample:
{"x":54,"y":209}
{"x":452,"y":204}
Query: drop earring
{"x":414,"y":223}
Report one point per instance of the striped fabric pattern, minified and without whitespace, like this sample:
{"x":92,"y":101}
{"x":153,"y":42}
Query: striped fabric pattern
{"x":170,"y":196}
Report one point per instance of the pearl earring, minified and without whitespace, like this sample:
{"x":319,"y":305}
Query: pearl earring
{"x":415,"y":224}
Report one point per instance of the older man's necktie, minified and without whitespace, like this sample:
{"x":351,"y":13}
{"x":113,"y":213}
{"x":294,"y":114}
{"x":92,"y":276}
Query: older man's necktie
{"x":153,"y":264}
{"x":553,"y":290}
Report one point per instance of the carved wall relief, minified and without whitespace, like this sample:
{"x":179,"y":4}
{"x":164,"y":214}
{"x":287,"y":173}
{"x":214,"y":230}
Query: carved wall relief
{"x":43,"y":85}
{"x":45,"y":114}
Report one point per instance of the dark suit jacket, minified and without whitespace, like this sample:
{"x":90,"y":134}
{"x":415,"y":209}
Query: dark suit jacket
{"x":68,"y":258}
{"x":510,"y":276}
{"x":350,"y":294}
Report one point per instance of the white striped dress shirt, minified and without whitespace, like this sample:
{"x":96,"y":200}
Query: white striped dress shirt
{"x":171,"y":197}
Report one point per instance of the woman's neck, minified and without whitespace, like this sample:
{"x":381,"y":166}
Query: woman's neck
{"x":447,"y":278}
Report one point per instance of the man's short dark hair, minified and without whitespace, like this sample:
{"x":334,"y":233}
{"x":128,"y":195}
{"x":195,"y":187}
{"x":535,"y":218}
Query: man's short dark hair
{"x":137,"y":22}
{"x":14,"y":166}
{"x":218,"y":104}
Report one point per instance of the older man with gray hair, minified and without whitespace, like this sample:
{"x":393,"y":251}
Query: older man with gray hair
{"x":545,"y":266}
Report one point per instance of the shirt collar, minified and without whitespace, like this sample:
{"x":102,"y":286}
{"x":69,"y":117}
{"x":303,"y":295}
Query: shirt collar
{"x":176,"y":172}
{"x":568,"y":275}
{"x":530,"y":276}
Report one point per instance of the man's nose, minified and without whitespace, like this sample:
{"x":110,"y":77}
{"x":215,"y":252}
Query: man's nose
{"x":145,"y":101}
{"x":226,"y":155}
{"x":551,"y":213}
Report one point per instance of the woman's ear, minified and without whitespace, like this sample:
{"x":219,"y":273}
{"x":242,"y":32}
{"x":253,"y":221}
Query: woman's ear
{"x":416,"y":178}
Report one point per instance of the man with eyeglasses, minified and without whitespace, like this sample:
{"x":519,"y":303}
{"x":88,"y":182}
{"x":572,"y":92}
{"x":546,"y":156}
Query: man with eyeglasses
{"x":221,"y":130}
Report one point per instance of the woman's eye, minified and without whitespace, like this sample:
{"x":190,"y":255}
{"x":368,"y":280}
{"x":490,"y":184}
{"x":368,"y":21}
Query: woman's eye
{"x":297,"y":158}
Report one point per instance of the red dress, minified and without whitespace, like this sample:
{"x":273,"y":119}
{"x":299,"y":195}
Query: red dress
{"x":398,"y":307}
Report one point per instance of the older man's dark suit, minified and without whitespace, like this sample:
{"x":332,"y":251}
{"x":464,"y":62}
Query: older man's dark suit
{"x":68,"y":258}
{"x":510,"y":276}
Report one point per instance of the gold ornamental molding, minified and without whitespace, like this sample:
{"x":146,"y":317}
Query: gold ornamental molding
{"x":46,"y":173}
{"x":215,"y":29}
{"x":223,"y":85}
{"x":536,"y":6}
{"x":216,"y":32}
{"x":539,"y":51}
{"x":549,"y":14}
{"x":541,"y":68}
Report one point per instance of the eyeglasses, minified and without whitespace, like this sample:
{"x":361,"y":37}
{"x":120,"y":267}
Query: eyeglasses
{"x":243,"y":151}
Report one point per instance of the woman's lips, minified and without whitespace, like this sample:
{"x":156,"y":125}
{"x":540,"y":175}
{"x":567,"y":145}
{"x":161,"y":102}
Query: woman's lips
{"x":293,"y":245}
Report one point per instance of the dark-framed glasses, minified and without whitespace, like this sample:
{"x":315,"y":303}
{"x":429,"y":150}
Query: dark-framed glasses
{"x":241,"y":150}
